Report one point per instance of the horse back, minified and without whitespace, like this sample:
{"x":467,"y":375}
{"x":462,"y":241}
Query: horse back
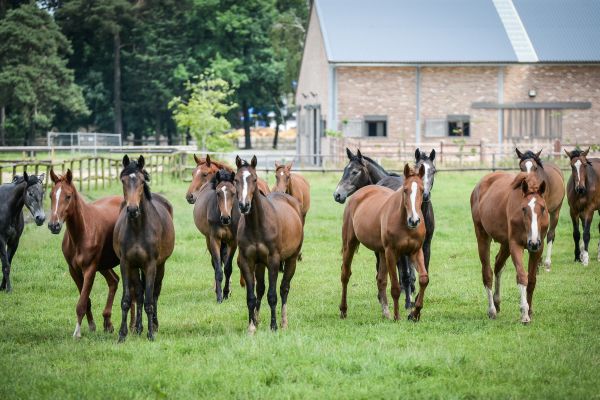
{"x":489,"y":201}
{"x":555,"y":181}
{"x":289,"y":220}
{"x":263,"y":186}
{"x":164,"y":202}
{"x":301,"y":191}
{"x":392,"y":182}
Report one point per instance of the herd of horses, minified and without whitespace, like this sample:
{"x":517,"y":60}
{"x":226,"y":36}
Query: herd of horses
{"x":236,"y":211}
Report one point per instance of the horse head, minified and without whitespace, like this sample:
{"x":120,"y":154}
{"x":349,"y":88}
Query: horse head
{"x":532,"y":219}
{"x":135,"y":185}
{"x":413,"y":194}
{"x":34,"y":196}
{"x":222,"y":183}
{"x":205,"y":170}
{"x":579,"y":162}
{"x":283,"y":174}
{"x":529,"y":161}
{"x":61,"y":200}
{"x":245,"y":183}
{"x":354,"y":177}
{"x":422,"y":159}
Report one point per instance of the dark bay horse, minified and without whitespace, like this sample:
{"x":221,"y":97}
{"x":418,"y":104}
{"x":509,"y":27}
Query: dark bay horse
{"x":87,"y":244}
{"x":205,"y":170}
{"x":361,"y":171}
{"x":530,"y":162}
{"x":583,"y":195}
{"x":510,"y":210}
{"x":270,"y":236}
{"x":293,"y":184}
{"x":143,"y":240}
{"x":216,"y":216}
{"x":25,"y":191}
{"x":389,"y":223}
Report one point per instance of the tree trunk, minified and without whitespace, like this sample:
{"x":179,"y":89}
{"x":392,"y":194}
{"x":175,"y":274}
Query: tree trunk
{"x":137,"y":138}
{"x":2,"y":122}
{"x":117,"y":84}
{"x":31,"y":136}
{"x":248,"y":142}
{"x":157,"y":122}
{"x":276,"y":137}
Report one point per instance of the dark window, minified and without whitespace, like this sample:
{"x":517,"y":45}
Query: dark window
{"x":459,"y":125}
{"x":375,"y":126}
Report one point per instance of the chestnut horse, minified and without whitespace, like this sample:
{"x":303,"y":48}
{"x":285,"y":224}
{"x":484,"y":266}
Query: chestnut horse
{"x":583,"y":195}
{"x":143,"y":239}
{"x":293,"y":184}
{"x":391,"y":224}
{"x":530,"y":162}
{"x":216,"y":216}
{"x":510,"y":210}
{"x":87,"y":244}
{"x":204,"y":172}
{"x":270,"y":235}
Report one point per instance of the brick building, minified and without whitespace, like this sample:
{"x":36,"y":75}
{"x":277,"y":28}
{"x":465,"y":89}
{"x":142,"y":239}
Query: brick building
{"x":499,"y":71}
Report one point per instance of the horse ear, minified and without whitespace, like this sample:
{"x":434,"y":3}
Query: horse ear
{"x":25,"y":176}
{"x":141,"y":162}
{"x":41,"y":177}
{"x":208,"y":160}
{"x":197,"y":160}
{"x":70,"y":175}
{"x":125,"y":160}
{"x":238,"y":162}
{"x":432,"y":155}
{"x":519,"y":154}
{"x":289,"y":166}
{"x":524,"y":187}
{"x":358,"y":153}
{"x":417,"y":154}
{"x":277,"y":165}
{"x":567,"y":153}
{"x":53,"y":176}
{"x":537,"y":155}
{"x":542,"y":188}
{"x":406,"y":170}
{"x":349,"y":154}
{"x":422,"y":171}
{"x":253,"y":162}
{"x":585,"y":153}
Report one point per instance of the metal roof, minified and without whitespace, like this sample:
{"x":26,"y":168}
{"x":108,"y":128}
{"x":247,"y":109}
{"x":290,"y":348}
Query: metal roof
{"x":459,"y":31}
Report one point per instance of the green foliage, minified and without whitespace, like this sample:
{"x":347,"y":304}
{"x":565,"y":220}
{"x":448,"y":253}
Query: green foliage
{"x":333,"y":133}
{"x":35,"y":82}
{"x":203,"y":111}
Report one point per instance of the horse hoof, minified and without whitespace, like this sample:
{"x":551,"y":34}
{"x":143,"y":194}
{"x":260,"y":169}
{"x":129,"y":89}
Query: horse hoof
{"x":585,"y":259}
{"x":492,"y":314}
{"x":251,"y":329}
{"x":274,"y":327}
{"x":139,"y":329}
{"x":219,"y":301}
{"x":525,"y":320}
{"x":150,"y":337}
{"x":122,"y":338}
{"x":92,"y":326}
{"x":343,"y":314}
{"x":109,"y":329}
{"x":413,"y":317}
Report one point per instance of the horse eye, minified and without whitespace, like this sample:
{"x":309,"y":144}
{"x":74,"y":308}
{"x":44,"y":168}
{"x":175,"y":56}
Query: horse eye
{"x":524,"y":209}
{"x":354,"y":172}
{"x":543,"y":209}
{"x":204,"y":174}
{"x":68,"y":197}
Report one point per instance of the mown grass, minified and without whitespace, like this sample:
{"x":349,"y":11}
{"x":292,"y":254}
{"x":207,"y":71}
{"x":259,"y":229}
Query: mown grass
{"x":202,"y":349}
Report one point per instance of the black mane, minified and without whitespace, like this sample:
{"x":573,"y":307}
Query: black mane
{"x":530,"y":154}
{"x":379,"y":167}
{"x":222,"y":175}
{"x":133,"y":168}
{"x":576,"y":153}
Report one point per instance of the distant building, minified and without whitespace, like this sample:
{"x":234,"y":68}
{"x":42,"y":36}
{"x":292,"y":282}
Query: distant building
{"x":500,"y":71}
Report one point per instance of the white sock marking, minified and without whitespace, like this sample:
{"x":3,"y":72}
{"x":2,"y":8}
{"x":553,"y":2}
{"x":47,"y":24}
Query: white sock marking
{"x":57,"y":197}
{"x":534,"y":221}
{"x":245,"y":176}
{"x":548,"y":260}
{"x":491,"y":306}
{"x":524,"y":304}
{"x":528,"y":166}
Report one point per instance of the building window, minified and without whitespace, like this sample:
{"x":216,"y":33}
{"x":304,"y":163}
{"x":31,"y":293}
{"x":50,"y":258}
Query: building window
{"x":533,"y":123}
{"x":375,"y":126}
{"x":459,"y":125}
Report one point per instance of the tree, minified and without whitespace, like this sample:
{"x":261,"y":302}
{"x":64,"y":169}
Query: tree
{"x":203,"y":113}
{"x":34,"y":79}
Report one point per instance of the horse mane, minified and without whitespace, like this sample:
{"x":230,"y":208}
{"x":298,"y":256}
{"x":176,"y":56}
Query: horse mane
{"x":132,"y":168}
{"x":413,"y":172}
{"x":219,"y":164}
{"x":533,"y":184}
{"x":379,"y":167}
{"x":531,"y":154}
{"x":575,"y":153}
{"x":222,"y":175}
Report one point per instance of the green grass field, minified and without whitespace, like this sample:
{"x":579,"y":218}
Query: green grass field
{"x":203,"y":351}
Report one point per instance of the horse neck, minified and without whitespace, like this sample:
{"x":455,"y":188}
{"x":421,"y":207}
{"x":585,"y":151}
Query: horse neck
{"x":256,"y":216}
{"x":591,"y":178}
{"x":76,"y":219}
{"x":399,"y":211}
{"x":376,"y":172}
{"x":17,"y":198}
{"x":148,"y":213}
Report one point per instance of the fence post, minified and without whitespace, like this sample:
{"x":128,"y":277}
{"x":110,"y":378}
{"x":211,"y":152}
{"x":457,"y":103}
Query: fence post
{"x":80,"y":175}
{"x":493,"y":162}
{"x":1,"y":167}
{"x":481,"y":152}
{"x":102,"y":168}
{"x":89,"y":160}
{"x":96,"y":173}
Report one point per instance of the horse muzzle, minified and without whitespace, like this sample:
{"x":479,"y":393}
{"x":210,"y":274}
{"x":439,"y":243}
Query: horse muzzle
{"x":225,"y":220}
{"x":413,"y":223}
{"x":244,"y":207}
{"x":190,"y":198}
{"x":55,"y":227}
{"x":39,"y":219}
{"x":534,"y":246}
{"x":133,"y":212}
{"x":339,"y":197}
{"x":580,"y":190}
{"x":426,"y":197}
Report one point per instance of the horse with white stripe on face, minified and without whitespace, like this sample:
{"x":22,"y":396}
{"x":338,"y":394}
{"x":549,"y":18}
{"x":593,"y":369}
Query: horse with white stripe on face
{"x":583,"y":195}
{"x":530,"y":162}
{"x":510,"y":210}
{"x":391,"y":224}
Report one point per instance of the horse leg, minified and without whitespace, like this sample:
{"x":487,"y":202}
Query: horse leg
{"x":284,"y":288}
{"x":483,"y":248}
{"x":587,"y":224}
{"x":11,"y":249}
{"x":516,"y":253}
{"x":576,"y":234}
{"x":150,"y":272}
{"x":215,"y":253}
{"x":160,"y":273}
{"x":125,"y":300}
{"x":407,"y":279}
{"x":429,"y":229}
{"x":501,"y":258}
{"x":273,"y":270}
{"x":599,"y":240}
{"x":5,"y":268}
{"x":137,"y":281}
{"x":550,"y":238}
{"x":112,"y":280}
{"x":391,"y":260}
{"x":532,"y":277}
{"x":260,"y":289}
{"x":382,"y":285}
{"x":84,"y":305}
{"x":348,"y":253}
{"x":247,"y":270}
{"x":419,"y":260}
{"x":230,"y":250}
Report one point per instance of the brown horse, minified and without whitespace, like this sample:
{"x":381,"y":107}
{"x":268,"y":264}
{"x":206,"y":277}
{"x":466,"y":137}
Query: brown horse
{"x":389,"y":223}
{"x":530,"y":162}
{"x":510,"y":210}
{"x":143,"y":239}
{"x":270,"y":235}
{"x":583,"y":195}
{"x":87,"y":244}
{"x":204,"y":172}
{"x":216,"y":216}
{"x":293,"y":184}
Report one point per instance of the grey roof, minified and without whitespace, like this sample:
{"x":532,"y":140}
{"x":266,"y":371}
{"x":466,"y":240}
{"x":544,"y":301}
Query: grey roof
{"x":457,"y":31}
{"x":562,"y":31}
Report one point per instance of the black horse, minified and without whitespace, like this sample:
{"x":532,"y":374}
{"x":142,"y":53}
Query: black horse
{"x":26,"y":191}
{"x":362,"y":171}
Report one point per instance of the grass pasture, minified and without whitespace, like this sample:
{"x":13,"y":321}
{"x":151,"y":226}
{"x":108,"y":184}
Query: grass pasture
{"x":202,"y":349}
